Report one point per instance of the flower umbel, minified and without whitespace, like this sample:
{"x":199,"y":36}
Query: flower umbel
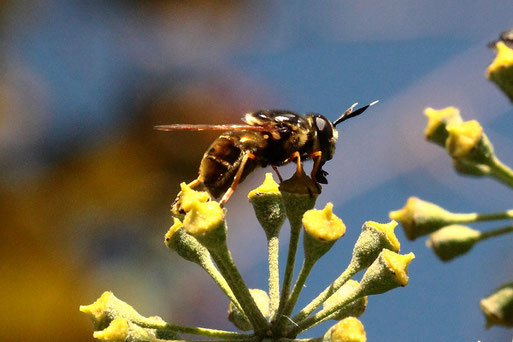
{"x":199,"y":235}
{"x":472,"y":154}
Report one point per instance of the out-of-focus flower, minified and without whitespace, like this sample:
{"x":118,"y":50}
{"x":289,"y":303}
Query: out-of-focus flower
{"x":501,"y":70}
{"x":498,"y":307}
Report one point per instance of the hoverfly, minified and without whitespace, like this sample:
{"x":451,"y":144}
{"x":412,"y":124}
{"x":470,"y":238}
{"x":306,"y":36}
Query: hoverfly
{"x":268,"y":137}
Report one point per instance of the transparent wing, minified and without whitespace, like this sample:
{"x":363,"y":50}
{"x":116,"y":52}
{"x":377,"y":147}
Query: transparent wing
{"x":188,"y":127}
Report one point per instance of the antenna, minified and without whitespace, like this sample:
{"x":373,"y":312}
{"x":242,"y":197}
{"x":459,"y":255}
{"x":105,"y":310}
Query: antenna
{"x":350,"y":114}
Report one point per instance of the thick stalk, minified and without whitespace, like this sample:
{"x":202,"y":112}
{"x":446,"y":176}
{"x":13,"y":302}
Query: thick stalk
{"x":321,"y":315}
{"x":295,"y":231}
{"x":214,"y":333}
{"x":225,"y":263}
{"x":274,"y":273}
{"x":291,"y":302}
{"x":331,"y":289}
{"x":214,"y":273}
{"x":496,"y":232}
{"x":501,"y":172}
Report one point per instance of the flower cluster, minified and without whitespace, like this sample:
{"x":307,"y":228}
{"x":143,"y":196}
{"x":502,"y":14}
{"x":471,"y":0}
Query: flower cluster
{"x":472,"y":154}
{"x":198,"y":234}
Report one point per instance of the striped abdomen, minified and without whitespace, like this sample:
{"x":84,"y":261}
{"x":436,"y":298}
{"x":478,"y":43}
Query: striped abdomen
{"x":223,"y":159}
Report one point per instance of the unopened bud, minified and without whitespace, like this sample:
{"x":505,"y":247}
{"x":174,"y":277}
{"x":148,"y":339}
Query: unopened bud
{"x":349,"y":329}
{"x":268,"y":205}
{"x":388,"y":271}
{"x":122,"y":330}
{"x":420,"y":217}
{"x":299,"y":195}
{"x":468,"y":142}
{"x":107,"y":308}
{"x":373,"y":238}
{"x":184,"y":244}
{"x":500,"y":71}
{"x":262,"y":301}
{"x":498,"y":307}
{"x":205,"y":221}
{"x":452,"y":241}
{"x":185,"y":198}
{"x":436,"y":129}
{"x":322,"y":229}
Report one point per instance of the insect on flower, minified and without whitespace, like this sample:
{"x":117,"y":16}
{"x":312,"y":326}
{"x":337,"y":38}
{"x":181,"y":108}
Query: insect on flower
{"x":268,"y":137}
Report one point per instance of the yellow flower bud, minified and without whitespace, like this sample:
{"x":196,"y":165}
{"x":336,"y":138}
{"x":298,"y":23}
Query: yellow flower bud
{"x":185,"y":198}
{"x":322,"y":230}
{"x":205,"y":222}
{"x":349,"y":329}
{"x":108,"y":307}
{"x":468,"y":143}
{"x":122,"y":330}
{"x":203,"y":217}
{"x":452,"y":241}
{"x":387,"y":272}
{"x":185,"y":245}
{"x":269,"y":186}
{"x":388,"y":230}
{"x":398,"y":264}
{"x":373,"y":239}
{"x":436,"y":129}
{"x":420,"y":218}
{"x":463,"y":138}
{"x":268,"y":205}
{"x":501,"y":70}
{"x":117,"y":331}
{"x":323,"y":224}
{"x":190,"y":196}
{"x":498,"y":307}
{"x":177,"y":224}
{"x":96,"y":311}
{"x":503,"y":59}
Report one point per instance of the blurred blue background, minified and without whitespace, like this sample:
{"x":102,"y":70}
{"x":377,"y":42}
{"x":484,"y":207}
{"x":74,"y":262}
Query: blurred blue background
{"x":86,"y":184}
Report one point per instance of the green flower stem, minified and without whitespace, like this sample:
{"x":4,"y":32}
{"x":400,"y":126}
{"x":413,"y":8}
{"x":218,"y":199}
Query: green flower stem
{"x":213,"y":333}
{"x":457,"y":218}
{"x":331,"y":289}
{"x":295,"y":231}
{"x":224,"y":261}
{"x":323,"y":314}
{"x":501,"y":172}
{"x":508,"y":214}
{"x":495,"y":232}
{"x":291,"y":302}
{"x":274,"y":273}
{"x":316,"y":339}
{"x":250,"y":339}
{"x":208,"y":266}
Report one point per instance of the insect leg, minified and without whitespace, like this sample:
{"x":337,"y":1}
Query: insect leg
{"x":194,"y":183}
{"x":299,"y":169}
{"x":237,"y":177}
{"x":277,"y":173}
{"x":316,"y":156}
